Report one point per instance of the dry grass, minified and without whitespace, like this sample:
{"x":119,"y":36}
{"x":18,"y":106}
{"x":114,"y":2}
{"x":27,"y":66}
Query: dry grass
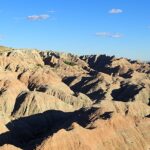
{"x":3,"y":48}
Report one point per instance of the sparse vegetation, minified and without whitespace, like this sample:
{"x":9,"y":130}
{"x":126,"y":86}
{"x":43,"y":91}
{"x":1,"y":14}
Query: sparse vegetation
{"x":69,"y":63}
{"x":3,"y":49}
{"x":39,"y":65}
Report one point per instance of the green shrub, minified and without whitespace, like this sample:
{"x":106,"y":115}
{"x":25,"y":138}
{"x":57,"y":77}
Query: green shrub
{"x":69,"y":63}
{"x":39,"y":65}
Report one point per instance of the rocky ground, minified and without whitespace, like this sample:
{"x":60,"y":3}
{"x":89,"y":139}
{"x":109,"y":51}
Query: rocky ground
{"x":59,"y":101}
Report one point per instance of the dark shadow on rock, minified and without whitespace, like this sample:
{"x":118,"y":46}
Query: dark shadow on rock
{"x":42,"y":88}
{"x":19,"y":101}
{"x":97,"y":95}
{"x":103,"y":63}
{"x":86,"y":88}
{"x":31,"y":86}
{"x":39,"y":88}
{"x":68,"y":80}
{"x":128,"y":74}
{"x":126,"y":93}
{"x":99,"y":62}
{"x":78,"y":86}
{"x":33,"y":129}
{"x":47,"y":61}
{"x":83,"y":88}
{"x":149,"y":102}
{"x":106,"y":115}
{"x":148,"y":116}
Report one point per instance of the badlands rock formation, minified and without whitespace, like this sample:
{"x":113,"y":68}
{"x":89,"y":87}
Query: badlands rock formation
{"x":58,"y":101}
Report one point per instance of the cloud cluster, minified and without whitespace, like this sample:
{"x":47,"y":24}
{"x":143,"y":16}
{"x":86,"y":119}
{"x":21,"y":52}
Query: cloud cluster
{"x":116,"y":11}
{"x":109,"y":34}
{"x":38,"y":17}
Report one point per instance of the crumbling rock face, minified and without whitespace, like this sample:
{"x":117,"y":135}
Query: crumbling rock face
{"x":20,"y":60}
{"x":106,"y":87}
{"x":10,"y":88}
{"x":9,"y":147}
{"x":46,"y":81}
{"x":52,"y":100}
{"x":65,"y":64}
{"x":3,"y":128}
{"x":126,"y":92}
{"x":136,"y":108}
{"x":116,"y":66}
{"x":117,"y":133}
{"x":94,"y":86}
{"x":36,"y":102}
{"x":98,"y":62}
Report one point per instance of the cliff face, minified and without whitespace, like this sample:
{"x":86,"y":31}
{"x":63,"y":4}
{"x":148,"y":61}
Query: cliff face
{"x":51,"y":100}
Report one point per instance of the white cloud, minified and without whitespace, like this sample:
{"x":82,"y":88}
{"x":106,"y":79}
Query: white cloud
{"x":116,"y":35}
{"x":109,"y":34}
{"x":38,"y":17}
{"x":52,"y":11}
{"x":116,"y":11}
{"x":105,"y":34}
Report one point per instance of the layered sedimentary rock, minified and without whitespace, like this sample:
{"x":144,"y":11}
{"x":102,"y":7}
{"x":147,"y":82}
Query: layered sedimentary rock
{"x":51,"y":100}
{"x":117,"y":133}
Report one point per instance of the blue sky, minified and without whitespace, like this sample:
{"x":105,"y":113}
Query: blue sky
{"x":112,"y":27}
